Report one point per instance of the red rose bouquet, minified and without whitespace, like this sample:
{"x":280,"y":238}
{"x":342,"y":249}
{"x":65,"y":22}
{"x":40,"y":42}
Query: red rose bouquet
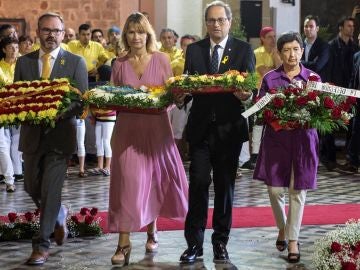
{"x":339,"y":249}
{"x":297,"y":107}
{"x":85,"y":223}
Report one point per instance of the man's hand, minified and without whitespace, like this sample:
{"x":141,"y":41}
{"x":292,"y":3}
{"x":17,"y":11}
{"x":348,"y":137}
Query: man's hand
{"x":179,"y":99}
{"x":93,"y":72}
{"x":242,"y":95}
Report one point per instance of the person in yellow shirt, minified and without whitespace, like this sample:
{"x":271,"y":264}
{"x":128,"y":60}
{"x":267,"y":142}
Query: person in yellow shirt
{"x":10,"y":157}
{"x":168,"y":45}
{"x":93,"y":52}
{"x":267,"y":58}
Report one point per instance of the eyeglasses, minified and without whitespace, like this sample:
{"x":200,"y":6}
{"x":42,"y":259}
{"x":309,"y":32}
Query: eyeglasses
{"x":211,"y":21}
{"x":47,"y":31}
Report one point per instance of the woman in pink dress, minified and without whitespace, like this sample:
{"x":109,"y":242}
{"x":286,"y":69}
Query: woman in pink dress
{"x":147,"y":176}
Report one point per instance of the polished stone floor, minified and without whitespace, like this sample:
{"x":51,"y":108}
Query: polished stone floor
{"x":249,"y":248}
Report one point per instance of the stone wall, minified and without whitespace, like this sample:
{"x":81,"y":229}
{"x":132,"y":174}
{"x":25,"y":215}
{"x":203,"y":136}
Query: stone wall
{"x":98,"y":13}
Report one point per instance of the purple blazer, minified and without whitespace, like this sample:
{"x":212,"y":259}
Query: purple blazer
{"x":285,"y":149}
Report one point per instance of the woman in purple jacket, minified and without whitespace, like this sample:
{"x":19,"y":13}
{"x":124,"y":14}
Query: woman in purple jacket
{"x":288,"y":158}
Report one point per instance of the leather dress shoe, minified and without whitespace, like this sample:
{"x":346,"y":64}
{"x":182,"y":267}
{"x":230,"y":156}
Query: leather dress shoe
{"x":37,"y":258}
{"x":60,"y":230}
{"x":220,"y":253}
{"x":190,"y":254}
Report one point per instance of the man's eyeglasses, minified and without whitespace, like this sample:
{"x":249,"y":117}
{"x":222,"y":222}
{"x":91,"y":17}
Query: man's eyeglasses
{"x":211,"y":21}
{"x":47,"y":31}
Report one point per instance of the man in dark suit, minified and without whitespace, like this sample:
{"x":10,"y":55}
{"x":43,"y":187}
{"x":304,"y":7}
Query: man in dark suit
{"x":46,"y":150}
{"x":215,"y":132}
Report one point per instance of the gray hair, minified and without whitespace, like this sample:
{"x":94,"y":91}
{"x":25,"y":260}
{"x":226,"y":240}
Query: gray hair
{"x":51,"y":14}
{"x":219,"y":4}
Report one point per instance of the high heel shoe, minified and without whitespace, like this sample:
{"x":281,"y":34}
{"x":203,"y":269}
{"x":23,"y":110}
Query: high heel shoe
{"x":294,"y":257}
{"x":152,"y":242}
{"x":121,"y":256}
{"x":281,"y":245}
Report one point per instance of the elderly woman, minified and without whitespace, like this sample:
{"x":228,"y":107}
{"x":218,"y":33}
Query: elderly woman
{"x":147,"y":176}
{"x":288,"y":158}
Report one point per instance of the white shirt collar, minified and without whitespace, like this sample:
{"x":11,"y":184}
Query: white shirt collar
{"x":53,"y":53}
{"x":222,"y":43}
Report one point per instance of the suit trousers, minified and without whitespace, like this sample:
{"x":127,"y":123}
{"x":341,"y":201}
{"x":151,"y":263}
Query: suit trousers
{"x":292,"y":221}
{"x":44,"y":174}
{"x":221,"y":157}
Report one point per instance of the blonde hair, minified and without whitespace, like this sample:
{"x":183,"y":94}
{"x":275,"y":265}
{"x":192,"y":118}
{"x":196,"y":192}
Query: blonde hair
{"x":141,"y":25}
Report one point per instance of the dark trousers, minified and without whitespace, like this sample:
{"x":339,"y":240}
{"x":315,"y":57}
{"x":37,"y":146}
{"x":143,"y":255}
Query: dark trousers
{"x":44,"y":174}
{"x":220,"y":156}
{"x":353,"y":146}
{"x":327,"y":148}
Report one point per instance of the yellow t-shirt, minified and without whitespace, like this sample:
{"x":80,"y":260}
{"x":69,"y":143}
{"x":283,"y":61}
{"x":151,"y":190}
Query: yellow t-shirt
{"x":177,"y":66}
{"x":263,"y":58}
{"x":94,"y":53}
{"x":7,"y":72}
{"x":174,"y":53}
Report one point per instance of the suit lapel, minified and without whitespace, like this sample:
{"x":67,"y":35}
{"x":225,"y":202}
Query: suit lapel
{"x":227,"y":56}
{"x":206,"y":55}
{"x":59,"y":65}
{"x":35,"y":66}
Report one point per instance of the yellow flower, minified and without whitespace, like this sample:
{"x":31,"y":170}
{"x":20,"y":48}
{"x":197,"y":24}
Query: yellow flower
{"x":240,"y":78}
{"x":22,"y":116}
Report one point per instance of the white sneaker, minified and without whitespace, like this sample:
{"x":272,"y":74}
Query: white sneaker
{"x":10,"y":188}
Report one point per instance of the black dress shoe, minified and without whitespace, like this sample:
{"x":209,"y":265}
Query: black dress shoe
{"x":220,"y":253}
{"x":190,"y":254}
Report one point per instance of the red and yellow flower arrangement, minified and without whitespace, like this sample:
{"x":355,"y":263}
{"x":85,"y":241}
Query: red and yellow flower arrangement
{"x":227,"y":82}
{"x":35,"y":102}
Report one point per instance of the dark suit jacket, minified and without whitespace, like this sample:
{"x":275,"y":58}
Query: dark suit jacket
{"x":318,"y":60}
{"x":225,"y":109}
{"x":62,"y":138}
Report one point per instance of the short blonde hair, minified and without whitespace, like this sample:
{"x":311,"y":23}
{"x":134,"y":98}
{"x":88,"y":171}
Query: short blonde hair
{"x":142,"y":25}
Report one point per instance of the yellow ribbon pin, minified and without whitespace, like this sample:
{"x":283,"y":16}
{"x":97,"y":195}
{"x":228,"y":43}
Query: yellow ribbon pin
{"x":225,"y":59}
{"x":62,"y":61}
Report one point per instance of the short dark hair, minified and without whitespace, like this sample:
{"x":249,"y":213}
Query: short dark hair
{"x":219,"y":4}
{"x":289,"y":37}
{"x":84,"y":27}
{"x":25,"y":38}
{"x":3,"y":28}
{"x":314,"y":18}
{"x":187,"y":36}
{"x":96,"y":30}
{"x":342,"y":21}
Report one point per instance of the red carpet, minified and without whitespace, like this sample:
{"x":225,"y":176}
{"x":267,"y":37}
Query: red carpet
{"x":244,"y":217}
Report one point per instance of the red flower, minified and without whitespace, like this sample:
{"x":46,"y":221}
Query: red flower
{"x":29,"y":216}
{"x":335,"y":247}
{"x":12,"y":217}
{"x":84,"y":211}
{"x":272,"y":91}
{"x":93,"y":211}
{"x":328,"y":102}
{"x":313,"y":77}
{"x":75,"y":219}
{"x":350,"y":100}
{"x":278,"y":102}
{"x":89,"y":219}
{"x":312,"y":95}
{"x":336,"y":113}
{"x":345,"y":106}
{"x":268,"y":115}
{"x":348,"y":266}
{"x":301,"y":101}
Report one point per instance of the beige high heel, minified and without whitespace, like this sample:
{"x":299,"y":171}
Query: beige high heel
{"x":152,"y":242}
{"x":121,"y":256}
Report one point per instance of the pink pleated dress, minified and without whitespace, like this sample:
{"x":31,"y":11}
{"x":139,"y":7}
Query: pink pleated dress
{"x":147,"y":175}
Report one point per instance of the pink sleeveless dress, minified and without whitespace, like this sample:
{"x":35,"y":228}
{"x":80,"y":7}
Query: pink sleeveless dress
{"x":147,"y":175}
